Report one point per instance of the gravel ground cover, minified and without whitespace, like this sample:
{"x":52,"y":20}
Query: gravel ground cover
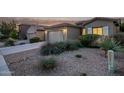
{"x":92,"y":63}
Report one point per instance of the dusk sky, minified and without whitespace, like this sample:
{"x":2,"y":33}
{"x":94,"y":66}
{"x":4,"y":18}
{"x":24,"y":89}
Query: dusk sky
{"x":62,"y":18}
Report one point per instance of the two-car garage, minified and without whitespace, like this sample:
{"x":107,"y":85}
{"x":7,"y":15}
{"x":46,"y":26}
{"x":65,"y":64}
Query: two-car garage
{"x":55,"y":36}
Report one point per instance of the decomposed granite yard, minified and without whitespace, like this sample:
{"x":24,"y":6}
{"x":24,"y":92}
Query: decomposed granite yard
{"x":92,"y":63}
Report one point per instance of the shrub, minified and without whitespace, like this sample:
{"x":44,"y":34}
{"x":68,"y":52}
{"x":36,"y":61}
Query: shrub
{"x":34,"y":40}
{"x":110,"y":44}
{"x":48,"y":64}
{"x":13,"y":34}
{"x":78,"y":56}
{"x":50,"y":49}
{"x":87,"y":40}
{"x":60,"y":47}
{"x":10,"y":42}
{"x":70,"y":46}
{"x":119,"y":37}
{"x":78,"y":44}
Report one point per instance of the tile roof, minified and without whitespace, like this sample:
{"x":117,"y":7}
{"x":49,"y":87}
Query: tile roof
{"x":96,"y":18}
{"x":64,"y":25}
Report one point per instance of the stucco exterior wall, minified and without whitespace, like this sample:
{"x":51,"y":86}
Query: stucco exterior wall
{"x":101,"y":23}
{"x":56,"y":29}
{"x":41,"y":35}
{"x":73,"y":33}
{"x":23,"y":31}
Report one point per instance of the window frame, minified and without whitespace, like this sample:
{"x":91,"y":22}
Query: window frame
{"x":97,"y":29}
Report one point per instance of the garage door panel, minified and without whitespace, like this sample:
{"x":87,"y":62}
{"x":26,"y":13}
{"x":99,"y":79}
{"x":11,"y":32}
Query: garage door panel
{"x":56,"y":36}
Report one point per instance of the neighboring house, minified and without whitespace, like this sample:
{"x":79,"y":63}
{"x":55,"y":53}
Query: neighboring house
{"x":67,"y":31}
{"x":100,"y":26}
{"x":28,"y":31}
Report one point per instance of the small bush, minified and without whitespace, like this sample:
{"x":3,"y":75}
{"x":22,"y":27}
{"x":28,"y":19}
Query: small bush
{"x":61,"y":46}
{"x":50,"y":49}
{"x":10,"y":42}
{"x":48,"y":64}
{"x":58,"y":48}
{"x":87,"y":40}
{"x":78,"y":56}
{"x":34,"y":40}
{"x":71,"y":45}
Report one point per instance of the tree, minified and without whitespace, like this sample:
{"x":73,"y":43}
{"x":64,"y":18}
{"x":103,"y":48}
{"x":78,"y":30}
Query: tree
{"x":14,"y":35}
{"x":7,"y":28}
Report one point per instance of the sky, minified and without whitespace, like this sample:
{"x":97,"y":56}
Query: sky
{"x":63,"y":18}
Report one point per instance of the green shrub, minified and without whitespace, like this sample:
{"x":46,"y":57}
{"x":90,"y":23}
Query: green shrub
{"x":111,"y":44}
{"x":13,"y":34}
{"x":50,"y":49}
{"x":61,"y":46}
{"x":57,"y":48}
{"x":34,"y":40}
{"x":48,"y":64}
{"x":87,"y":40}
{"x":78,"y":56}
{"x":10,"y":42}
{"x":119,"y":37}
{"x":70,"y":46}
{"x":78,"y":44}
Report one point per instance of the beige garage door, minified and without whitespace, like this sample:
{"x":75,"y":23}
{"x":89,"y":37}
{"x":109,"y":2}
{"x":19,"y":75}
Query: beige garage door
{"x":56,"y":36}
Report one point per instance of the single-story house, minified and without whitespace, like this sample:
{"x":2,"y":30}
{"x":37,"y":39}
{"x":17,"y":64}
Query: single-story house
{"x":100,"y":25}
{"x":67,"y":31}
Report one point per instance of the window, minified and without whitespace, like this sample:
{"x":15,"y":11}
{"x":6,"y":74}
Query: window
{"x":95,"y":31}
{"x":105,"y":30}
{"x":98,"y":31}
{"x":84,"y":32}
{"x":89,"y":30}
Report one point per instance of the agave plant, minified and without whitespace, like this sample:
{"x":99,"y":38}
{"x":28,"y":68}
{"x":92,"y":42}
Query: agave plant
{"x":111,"y":44}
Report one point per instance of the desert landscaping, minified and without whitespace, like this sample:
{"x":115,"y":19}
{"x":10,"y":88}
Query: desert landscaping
{"x":91,"y":63}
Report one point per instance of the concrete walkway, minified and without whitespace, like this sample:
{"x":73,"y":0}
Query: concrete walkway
{"x":20,"y":48}
{"x":4,"y":71}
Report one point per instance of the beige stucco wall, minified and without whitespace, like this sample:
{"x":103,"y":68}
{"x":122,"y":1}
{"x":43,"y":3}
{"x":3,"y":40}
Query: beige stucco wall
{"x":41,"y":35}
{"x":31,"y":35}
{"x":57,"y":29}
{"x":73,"y":33}
{"x":101,"y":23}
{"x":70,"y":33}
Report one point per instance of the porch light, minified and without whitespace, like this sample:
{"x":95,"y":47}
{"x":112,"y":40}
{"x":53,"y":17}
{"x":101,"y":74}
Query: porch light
{"x":65,"y":33}
{"x":45,"y":32}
